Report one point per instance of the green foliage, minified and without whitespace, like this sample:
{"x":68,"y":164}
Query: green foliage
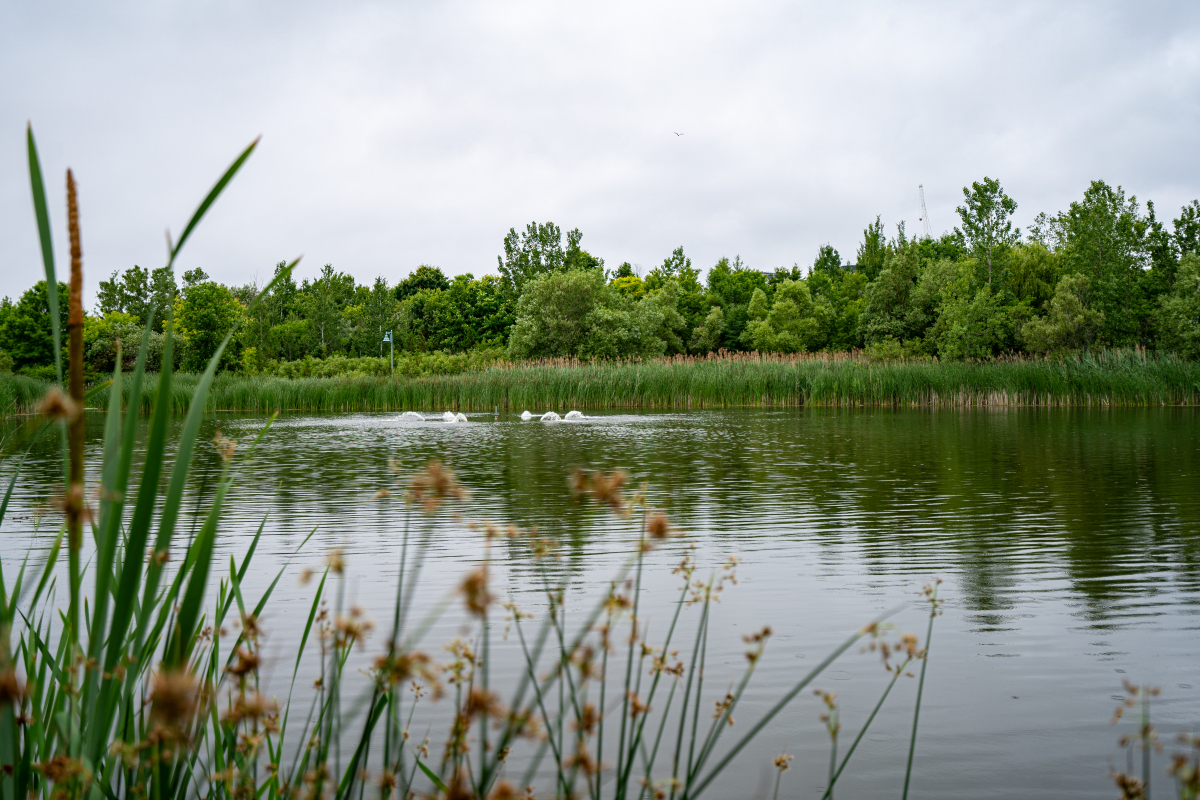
{"x":1179,"y":312}
{"x":886,"y":307}
{"x":897,"y":291}
{"x":792,"y":324}
{"x":1072,"y":323}
{"x":323,"y":302}
{"x":205,"y":314}
{"x":827,"y":262}
{"x":127,"y":293}
{"x":707,"y":336}
{"x":1102,"y":240}
{"x":423,"y":277}
{"x":101,"y":336}
{"x":972,"y":324}
{"x":986,"y":225}
{"x":1033,"y":272}
{"x":576,"y":314}
{"x":26,"y":332}
{"x":629,"y":286}
{"x":842,"y":294}
{"x":873,"y":250}
{"x":538,"y":251}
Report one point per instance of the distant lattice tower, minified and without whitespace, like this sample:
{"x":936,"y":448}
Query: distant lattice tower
{"x":924,"y":212}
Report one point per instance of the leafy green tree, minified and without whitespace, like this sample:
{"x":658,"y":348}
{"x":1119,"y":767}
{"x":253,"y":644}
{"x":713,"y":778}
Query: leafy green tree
{"x":624,"y":271}
{"x":973,"y":323}
{"x":433,"y":321}
{"x":289,"y":340}
{"x":127,"y":292}
{"x":423,"y":277}
{"x":1032,"y":273}
{"x":677,"y":265}
{"x":673,"y":328}
{"x":986,"y":222}
{"x":577,"y":314}
{"x":1102,"y":240}
{"x":1071,"y":324}
{"x":281,"y":304}
{"x":575,"y":257}
{"x":102,"y":334}
{"x":1179,"y":312}
{"x":886,"y":307}
{"x":936,"y":283}
{"x":25,"y":331}
{"x":629,"y":286}
{"x":194,"y":276}
{"x":379,"y":309}
{"x":873,"y":250}
{"x":108,"y":296}
{"x":842,"y":293}
{"x":707,"y":336}
{"x":537,"y":251}
{"x":731,"y":285}
{"x":163,"y":294}
{"x":790,"y":325}
{"x":781,"y":274}
{"x":322,"y":302}
{"x":689,"y":300}
{"x":1186,"y":237}
{"x":827,"y":262}
{"x":492,"y":310}
{"x":204,"y":313}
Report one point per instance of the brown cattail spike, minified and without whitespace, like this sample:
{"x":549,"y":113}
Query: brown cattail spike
{"x":75,"y":388}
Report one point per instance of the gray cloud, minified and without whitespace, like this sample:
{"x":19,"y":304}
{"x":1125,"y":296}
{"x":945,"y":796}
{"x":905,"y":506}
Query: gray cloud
{"x":401,"y":133}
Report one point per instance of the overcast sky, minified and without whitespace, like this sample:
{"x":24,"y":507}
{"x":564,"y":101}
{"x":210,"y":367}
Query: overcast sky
{"x":396,"y":134}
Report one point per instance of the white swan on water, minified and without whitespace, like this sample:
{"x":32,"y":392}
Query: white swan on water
{"x":551,"y":416}
{"x":574,"y":415}
{"x":526,"y":416}
{"x":412,"y":415}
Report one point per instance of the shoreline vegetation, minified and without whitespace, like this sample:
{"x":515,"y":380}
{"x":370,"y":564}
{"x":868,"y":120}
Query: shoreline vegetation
{"x":725,"y":380}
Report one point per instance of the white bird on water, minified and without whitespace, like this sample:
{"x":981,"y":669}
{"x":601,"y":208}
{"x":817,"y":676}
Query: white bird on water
{"x":551,"y":416}
{"x":526,"y":416}
{"x":574,"y":415}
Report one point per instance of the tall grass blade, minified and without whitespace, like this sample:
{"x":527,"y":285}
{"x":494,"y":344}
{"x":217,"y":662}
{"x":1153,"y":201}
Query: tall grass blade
{"x":912,"y":742}
{"x":47,"y":244}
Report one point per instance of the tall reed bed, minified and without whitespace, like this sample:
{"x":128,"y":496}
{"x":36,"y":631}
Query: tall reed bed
{"x":1109,"y":378}
{"x":150,"y":685}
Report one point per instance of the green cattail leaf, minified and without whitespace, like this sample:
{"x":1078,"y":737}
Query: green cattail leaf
{"x":43,"y":223}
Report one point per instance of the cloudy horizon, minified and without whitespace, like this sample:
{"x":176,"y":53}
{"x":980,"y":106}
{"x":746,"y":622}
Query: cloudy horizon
{"x":396,"y":135}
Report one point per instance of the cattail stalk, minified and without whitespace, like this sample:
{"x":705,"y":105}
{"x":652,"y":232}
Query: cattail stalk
{"x":74,"y":497}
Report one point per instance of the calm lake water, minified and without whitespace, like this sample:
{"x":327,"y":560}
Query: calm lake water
{"x":1068,"y":541}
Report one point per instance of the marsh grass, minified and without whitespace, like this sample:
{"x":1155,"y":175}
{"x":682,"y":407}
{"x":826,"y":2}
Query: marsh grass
{"x":154,"y":687}
{"x":1101,"y":379}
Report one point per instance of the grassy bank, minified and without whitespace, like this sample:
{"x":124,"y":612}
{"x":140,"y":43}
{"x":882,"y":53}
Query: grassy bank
{"x":1105,"y":379}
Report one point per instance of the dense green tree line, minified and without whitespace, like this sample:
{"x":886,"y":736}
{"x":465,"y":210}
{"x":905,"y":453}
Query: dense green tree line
{"x":1101,"y":274}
